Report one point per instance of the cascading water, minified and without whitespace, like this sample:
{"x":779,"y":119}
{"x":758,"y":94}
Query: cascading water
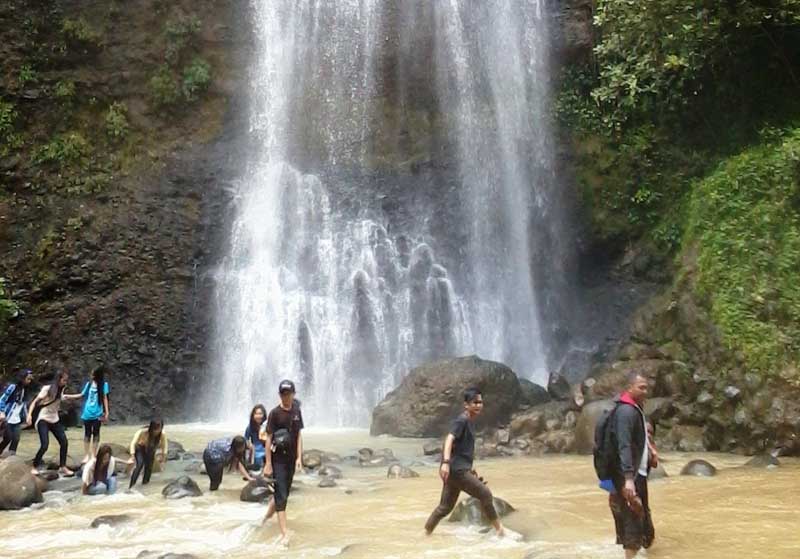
{"x":387,"y":214}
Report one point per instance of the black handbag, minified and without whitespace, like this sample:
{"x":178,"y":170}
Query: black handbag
{"x":281,"y":441}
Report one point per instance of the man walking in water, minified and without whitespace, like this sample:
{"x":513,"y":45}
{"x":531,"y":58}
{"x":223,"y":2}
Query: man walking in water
{"x":284,"y":455}
{"x":633,"y":458}
{"x":456,"y":468}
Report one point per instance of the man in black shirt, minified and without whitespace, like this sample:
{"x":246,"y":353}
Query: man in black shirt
{"x":284,"y":455}
{"x":456,"y":469}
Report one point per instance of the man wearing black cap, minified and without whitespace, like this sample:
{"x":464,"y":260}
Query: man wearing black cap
{"x":285,"y":451}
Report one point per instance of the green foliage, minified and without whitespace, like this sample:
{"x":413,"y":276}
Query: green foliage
{"x":745,"y":221}
{"x":10,"y":139}
{"x":180,"y":34}
{"x":27,"y":75}
{"x":78,"y":32}
{"x":655,"y":57}
{"x":8,"y":308}
{"x":63,"y":150}
{"x":196,"y":77}
{"x":164,"y":89}
{"x":116,"y":120}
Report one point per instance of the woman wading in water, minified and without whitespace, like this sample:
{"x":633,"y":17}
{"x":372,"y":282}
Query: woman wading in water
{"x":143,"y":448}
{"x":49,"y":403}
{"x":14,"y":411}
{"x":99,"y":477}
{"x":95,"y":410}
{"x":225,"y":452}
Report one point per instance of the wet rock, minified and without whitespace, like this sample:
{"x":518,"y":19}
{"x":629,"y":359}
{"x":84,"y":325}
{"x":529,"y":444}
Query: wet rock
{"x":111,"y":520}
{"x":556,"y":442}
{"x":502,"y":436}
{"x":765,"y":460}
{"x":49,"y":476}
{"x":587,"y":422}
{"x":374,"y":462}
{"x":657,"y":409}
{"x":330,"y":472}
{"x":534,"y":421}
{"x":688,"y":438}
{"x":193,"y":467}
{"x":558,"y":387}
{"x":65,"y":485}
{"x":174,"y":450}
{"x":18,"y":488}
{"x":312,"y":459}
{"x":532,"y":393}
{"x":256,"y":491}
{"x":469,"y":511}
{"x":182,"y":487}
{"x":396,"y":471}
{"x":699,"y":468}
{"x":432,"y":448}
{"x":327,"y":482}
{"x":430,"y":396}
{"x":52,"y":464}
{"x":521,"y":444}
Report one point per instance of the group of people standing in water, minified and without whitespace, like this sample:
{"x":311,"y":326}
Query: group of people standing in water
{"x":272,"y":446}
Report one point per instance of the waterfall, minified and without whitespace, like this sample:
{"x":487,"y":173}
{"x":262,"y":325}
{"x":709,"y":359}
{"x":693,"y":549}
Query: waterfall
{"x":391,"y":204}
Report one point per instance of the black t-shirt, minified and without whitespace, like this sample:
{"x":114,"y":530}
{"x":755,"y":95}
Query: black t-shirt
{"x":464,"y":445}
{"x":292,"y":421}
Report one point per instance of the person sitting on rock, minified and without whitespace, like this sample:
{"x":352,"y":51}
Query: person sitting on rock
{"x":225,"y":452}
{"x":456,"y":469}
{"x":256,"y":451}
{"x":144,"y":445}
{"x":629,"y":502}
{"x":14,"y":411}
{"x":285,"y":456}
{"x":48,"y":404}
{"x":99,"y":475}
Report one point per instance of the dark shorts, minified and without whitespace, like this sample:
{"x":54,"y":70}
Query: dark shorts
{"x":91,"y":428}
{"x":633,"y":531}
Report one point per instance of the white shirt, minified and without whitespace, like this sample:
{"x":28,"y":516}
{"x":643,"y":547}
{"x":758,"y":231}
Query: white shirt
{"x":646,"y":454}
{"x":48,"y":413}
{"x":88,"y":470}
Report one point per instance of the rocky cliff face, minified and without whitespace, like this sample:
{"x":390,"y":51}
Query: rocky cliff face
{"x":108,"y":223}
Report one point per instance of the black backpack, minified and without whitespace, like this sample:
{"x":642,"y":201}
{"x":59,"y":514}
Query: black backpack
{"x":605,"y":451}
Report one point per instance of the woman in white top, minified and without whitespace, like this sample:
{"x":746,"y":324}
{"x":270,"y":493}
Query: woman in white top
{"x":49,"y":402}
{"x":99,"y":477}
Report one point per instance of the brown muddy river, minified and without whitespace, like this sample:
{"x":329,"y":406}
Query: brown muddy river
{"x":561,"y":514}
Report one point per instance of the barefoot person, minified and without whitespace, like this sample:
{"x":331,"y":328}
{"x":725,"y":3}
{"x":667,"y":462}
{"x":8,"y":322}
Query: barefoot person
{"x":95,"y":410}
{"x":144,"y":445}
{"x":285,"y":451}
{"x":456,"y":468}
{"x":256,"y":451}
{"x":222,"y":453}
{"x":48,"y":403}
{"x":99,"y":475}
{"x":14,"y":411}
{"x":633,"y":453}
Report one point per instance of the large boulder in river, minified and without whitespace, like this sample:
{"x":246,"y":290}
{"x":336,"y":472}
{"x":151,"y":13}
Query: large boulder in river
{"x":111,"y":520}
{"x":699,"y":468}
{"x":257,"y":491}
{"x":469,"y":511}
{"x":398,"y":471}
{"x":18,"y":488}
{"x":587,"y":421}
{"x":430,"y":396}
{"x":182,"y":487}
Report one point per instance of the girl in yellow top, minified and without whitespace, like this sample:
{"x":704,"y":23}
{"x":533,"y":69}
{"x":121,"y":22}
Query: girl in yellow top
{"x":143,"y":449}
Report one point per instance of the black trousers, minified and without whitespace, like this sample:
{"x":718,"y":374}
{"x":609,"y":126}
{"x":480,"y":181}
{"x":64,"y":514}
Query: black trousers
{"x":633,"y":531}
{"x":214,"y":470}
{"x":145,"y":457}
{"x":44,"y":429}
{"x":9,"y":435}
{"x":283,"y":472}
{"x":469,"y":484}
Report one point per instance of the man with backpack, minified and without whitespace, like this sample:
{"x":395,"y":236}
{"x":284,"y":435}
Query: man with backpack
{"x":284,"y":455}
{"x":623,"y":458}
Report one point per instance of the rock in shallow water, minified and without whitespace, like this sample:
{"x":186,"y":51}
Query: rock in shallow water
{"x":327,"y":482}
{"x":111,"y":520}
{"x":396,"y":471}
{"x":257,"y":491}
{"x":469,"y":511}
{"x":182,"y":487}
{"x":699,"y":468}
{"x":18,"y":488}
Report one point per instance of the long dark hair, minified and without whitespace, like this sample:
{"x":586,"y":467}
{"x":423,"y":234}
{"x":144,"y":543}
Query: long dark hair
{"x":55,"y":390}
{"x":237,"y":451}
{"x":19,"y":385}
{"x":100,"y":470}
{"x":256,"y":427}
{"x":99,"y":377}
{"x":152,"y":440}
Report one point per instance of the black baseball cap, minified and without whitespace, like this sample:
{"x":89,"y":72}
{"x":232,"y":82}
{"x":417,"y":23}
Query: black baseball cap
{"x":286,"y":386}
